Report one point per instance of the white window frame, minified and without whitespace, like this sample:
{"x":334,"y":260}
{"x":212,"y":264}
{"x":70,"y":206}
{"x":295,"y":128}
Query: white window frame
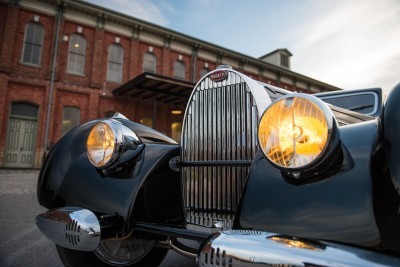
{"x":115,"y":63}
{"x":38,"y":29}
{"x":74,"y":121}
{"x":146,"y":63}
{"x":74,"y":54}
{"x":179,"y":70}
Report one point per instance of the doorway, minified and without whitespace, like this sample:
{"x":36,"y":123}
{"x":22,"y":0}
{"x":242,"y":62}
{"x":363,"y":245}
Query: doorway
{"x":21,"y":136}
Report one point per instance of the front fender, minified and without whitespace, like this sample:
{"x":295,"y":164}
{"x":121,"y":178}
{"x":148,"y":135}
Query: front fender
{"x":68,"y":178}
{"x":338,"y":208}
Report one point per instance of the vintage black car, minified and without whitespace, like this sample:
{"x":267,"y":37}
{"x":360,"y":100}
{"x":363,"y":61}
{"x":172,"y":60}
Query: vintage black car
{"x":262,"y":177}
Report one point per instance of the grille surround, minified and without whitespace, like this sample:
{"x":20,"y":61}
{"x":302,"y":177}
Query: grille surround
{"x":219,"y":141}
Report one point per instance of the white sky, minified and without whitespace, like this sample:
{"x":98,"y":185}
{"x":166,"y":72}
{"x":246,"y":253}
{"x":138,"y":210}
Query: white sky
{"x":347,"y":43}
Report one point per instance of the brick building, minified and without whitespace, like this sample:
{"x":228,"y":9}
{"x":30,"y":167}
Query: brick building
{"x":62,"y":61}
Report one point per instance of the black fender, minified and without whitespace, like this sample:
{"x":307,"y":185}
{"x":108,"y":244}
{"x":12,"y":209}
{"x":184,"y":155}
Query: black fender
{"x":67,"y":177}
{"x":387,"y":182}
{"x":391,"y":134}
{"x":337,"y":208}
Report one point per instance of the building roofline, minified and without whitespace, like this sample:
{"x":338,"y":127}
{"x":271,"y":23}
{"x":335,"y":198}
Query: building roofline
{"x":192,"y":41}
{"x":277,"y":50}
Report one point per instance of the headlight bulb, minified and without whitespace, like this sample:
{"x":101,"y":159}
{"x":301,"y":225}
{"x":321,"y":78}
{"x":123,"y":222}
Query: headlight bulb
{"x":101,"y":144}
{"x":294,"y":131}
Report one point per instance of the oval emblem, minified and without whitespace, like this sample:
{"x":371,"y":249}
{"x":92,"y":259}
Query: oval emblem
{"x":219,"y":75}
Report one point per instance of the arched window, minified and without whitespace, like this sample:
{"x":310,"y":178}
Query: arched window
{"x":179,"y":70}
{"x":115,"y":61}
{"x":149,"y":62}
{"x":203,"y":72}
{"x":24,"y":110}
{"x":71,"y":118}
{"x":33,"y":42}
{"x":76,"y":54}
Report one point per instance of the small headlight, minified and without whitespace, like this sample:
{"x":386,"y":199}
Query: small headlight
{"x":101,"y":144}
{"x":107,"y":142}
{"x":295,"y":131}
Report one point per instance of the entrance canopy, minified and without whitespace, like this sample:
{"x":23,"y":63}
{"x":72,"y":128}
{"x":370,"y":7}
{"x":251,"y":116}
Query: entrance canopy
{"x":157,"y":87}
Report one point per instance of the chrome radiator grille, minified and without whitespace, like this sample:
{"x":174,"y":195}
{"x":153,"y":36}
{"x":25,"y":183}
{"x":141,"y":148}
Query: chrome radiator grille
{"x":219,"y":140}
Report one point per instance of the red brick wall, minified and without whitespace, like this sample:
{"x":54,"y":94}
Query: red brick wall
{"x":135,"y":59}
{"x":121,"y":105}
{"x":69,"y":99}
{"x":70,"y":28}
{"x":157,"y":51}
{"x":201,"y":64}
{"x":3,"y":19}
{"x":27,"y":93}
{"x":7,"y":48}
{"x":90,"y":92}
{"x":186,"y":59}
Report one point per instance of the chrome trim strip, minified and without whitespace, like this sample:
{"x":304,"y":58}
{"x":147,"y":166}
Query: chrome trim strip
{"x":252,"y":248}
{"x":71,"y":227}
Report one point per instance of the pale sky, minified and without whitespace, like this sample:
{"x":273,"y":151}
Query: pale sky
{"x":346,"y":43}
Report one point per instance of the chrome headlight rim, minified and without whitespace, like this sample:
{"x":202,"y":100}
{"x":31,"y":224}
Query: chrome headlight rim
{"x":124,"y":139}
{"x":332,"y":134}
{"x":112,"y":124}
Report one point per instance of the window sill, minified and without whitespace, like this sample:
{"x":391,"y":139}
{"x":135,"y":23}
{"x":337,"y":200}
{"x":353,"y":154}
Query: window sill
{"x":116,"y":82}
{"x":30,"y":65}
{"x":76,"y":74}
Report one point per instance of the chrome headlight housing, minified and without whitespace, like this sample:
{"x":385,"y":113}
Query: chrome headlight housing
{"x":107,"y":141}
{"x":296,"y":132}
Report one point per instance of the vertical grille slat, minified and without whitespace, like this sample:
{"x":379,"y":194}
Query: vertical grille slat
{"x":220,"y":125}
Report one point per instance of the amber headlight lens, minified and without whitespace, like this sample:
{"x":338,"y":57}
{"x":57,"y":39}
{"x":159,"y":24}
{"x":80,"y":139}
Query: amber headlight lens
{"x":101,"y":144}
{"x":295,"y":131}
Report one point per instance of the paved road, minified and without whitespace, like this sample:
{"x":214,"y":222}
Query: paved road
{"x":22,"y":244}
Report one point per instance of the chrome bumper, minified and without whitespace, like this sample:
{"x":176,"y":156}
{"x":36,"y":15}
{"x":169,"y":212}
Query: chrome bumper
{"x":251,"y":248}
{"x":70,"y":227}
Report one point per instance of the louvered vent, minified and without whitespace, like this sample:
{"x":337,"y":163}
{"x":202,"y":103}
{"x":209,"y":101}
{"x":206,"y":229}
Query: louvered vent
{"x":72,"y":232}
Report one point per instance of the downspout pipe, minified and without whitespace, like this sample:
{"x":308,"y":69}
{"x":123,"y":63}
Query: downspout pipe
{"x":53,"y":74}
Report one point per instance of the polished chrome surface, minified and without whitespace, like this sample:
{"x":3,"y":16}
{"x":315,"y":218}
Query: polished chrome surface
{"x":248,"y":248}
{"x":70,"y":227}
{"x":187,"y":252}
{"x":119,"y":116}
{"x":125,"y":140}
{"x":220,"y":125}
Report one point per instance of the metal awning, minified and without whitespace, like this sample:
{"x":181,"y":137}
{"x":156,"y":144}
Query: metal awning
{"x":156,"y":87}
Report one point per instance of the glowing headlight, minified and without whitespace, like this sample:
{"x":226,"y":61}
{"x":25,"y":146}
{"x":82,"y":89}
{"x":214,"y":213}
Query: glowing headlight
{"x":101,"y":144}
{"x":295,"y":131}
{"x":107,"y":141}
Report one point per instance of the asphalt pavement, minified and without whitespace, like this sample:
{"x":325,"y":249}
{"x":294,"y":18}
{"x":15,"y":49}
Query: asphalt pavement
{"x":22,"y":244}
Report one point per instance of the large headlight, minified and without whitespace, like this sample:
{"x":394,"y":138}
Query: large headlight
{"x":295,"y":131}
{"x":107,"y":141}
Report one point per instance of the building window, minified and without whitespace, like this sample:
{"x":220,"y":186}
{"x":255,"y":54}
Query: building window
{"x":203,"y":72}
{"x":71,"y":118}
{"x":24,"y":110}
{"x":147,"y":121}
{"x":179,"y":70}
{"x":76,"y":54}
{"x":284,"y":61}
{"x":115,"y":60}
{"x":33,"y":42}
{"x":176,"y":130}
{"x":149,"y":62}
